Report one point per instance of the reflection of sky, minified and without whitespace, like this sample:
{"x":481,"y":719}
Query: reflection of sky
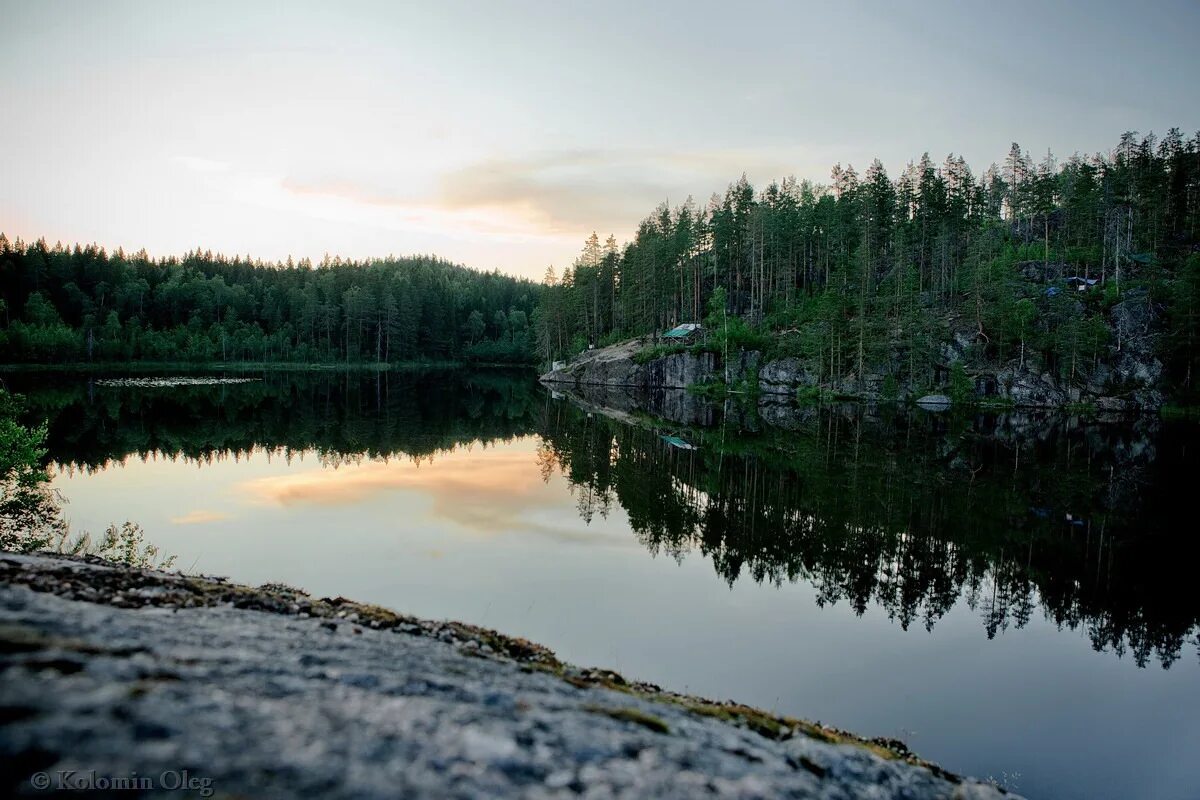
{"x":415,"y":537}
{"x":471,"y":490}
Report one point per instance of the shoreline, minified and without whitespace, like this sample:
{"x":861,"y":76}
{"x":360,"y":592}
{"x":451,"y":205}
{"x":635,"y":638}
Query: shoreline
{"x":758,"y":375}
{"x":85,"y":367}
{"x":83,"y":584}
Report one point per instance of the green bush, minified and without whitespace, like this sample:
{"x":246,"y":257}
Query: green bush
{"x":962,"y":388}
{"x":30,"y":516}
{"x":123,"y":545}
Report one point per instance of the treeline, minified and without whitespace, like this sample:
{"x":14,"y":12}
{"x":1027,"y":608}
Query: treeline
{"x":873,"y":272}
{"x":60,"y":304}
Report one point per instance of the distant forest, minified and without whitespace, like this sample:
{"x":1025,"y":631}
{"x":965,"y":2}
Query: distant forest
{"x":865,"y":272}
{"x":60,"y":304}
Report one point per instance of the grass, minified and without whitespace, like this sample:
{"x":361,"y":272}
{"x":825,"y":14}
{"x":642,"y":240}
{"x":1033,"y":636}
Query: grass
{"x":634,"y":715}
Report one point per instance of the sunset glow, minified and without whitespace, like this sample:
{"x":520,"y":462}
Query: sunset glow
{"x":501,"y":137}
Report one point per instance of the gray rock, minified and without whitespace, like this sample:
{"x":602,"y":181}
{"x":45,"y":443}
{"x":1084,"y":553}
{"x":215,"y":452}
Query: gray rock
{"x":615,"y":367}
{"x":934,"y":402}
{"x":784,"y":376}
{"x":678,"y":371}
{"x":1136,"y":369}
{"x":1028,"y":390}
{"x":742,"y":365}
{"x":266,"y":704}
{"x":608,"y":366}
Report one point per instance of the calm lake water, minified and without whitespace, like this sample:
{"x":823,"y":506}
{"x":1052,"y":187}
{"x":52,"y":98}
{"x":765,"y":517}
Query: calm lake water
{"x":1015,"y":597}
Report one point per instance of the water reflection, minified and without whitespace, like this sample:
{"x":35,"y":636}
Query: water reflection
{"x":1084,"y":523}
{"x":505,"y":496}
{"x":913,"y":511}
{"x":346,"y":417}
{"x":815,"y":547}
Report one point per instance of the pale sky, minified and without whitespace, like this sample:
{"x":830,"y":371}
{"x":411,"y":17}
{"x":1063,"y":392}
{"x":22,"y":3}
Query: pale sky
{"x":501,"y":134}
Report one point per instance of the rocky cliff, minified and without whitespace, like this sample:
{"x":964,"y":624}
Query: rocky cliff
{"x":1127,"y":379}
{"x":618,"y":366}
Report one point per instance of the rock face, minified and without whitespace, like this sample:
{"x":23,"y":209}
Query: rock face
{"x":677,"y":371}
{"x":1026,"y":389}
{"x":1136,"y":370}
{"x":615,"y":366}
{"x":934,"y":402}
{"x":1125,"y":378}
{"x":784,"y":376}
{"x":159,"y":674}
{"x":609,"y":366}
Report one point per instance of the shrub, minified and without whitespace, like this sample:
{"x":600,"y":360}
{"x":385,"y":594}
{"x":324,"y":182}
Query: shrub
{"x":962,"y":388}
{"x":30,"y":514}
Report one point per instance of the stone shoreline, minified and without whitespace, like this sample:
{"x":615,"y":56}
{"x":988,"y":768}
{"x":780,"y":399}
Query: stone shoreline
{"x":1129,"y":382}
{"x":269,"y":692}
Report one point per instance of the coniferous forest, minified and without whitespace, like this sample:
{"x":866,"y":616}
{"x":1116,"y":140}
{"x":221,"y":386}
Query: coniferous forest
{"x":875,"y":272}
{"x":867,"y":272}
{"x":83,"y":304}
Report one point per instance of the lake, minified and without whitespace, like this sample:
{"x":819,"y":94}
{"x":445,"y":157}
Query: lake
{"x":1011,"y":595}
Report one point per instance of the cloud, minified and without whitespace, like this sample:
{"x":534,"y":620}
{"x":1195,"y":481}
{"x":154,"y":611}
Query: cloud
{"x":571,"y":192}
{"x":563,"y":195}
{"x":498,"y":208}
{"x":351,"y":201}
{"x":198,"y":517}
{"x":589,"y":190}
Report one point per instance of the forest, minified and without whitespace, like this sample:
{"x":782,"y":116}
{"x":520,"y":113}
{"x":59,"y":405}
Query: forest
{"x":83,"y":304}
{"x":871,"y":272}
{"x":861,"y":274}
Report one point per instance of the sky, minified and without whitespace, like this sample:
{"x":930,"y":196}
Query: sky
{"x":501,"y":134}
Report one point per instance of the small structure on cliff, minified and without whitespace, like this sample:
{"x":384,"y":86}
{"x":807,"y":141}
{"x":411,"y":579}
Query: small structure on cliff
{"x":1080,"y":283}
{"x":683,"y":333}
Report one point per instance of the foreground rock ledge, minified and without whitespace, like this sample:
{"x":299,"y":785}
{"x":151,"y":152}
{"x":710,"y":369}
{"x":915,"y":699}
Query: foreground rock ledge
{"x":269,"y":692}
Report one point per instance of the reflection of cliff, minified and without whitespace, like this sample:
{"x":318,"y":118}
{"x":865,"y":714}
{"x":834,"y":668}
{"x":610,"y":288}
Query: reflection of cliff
{"x":915,"y":512}
{"x":341,"y":414}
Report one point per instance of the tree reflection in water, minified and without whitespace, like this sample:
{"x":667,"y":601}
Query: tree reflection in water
{"x":913,"y":511}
